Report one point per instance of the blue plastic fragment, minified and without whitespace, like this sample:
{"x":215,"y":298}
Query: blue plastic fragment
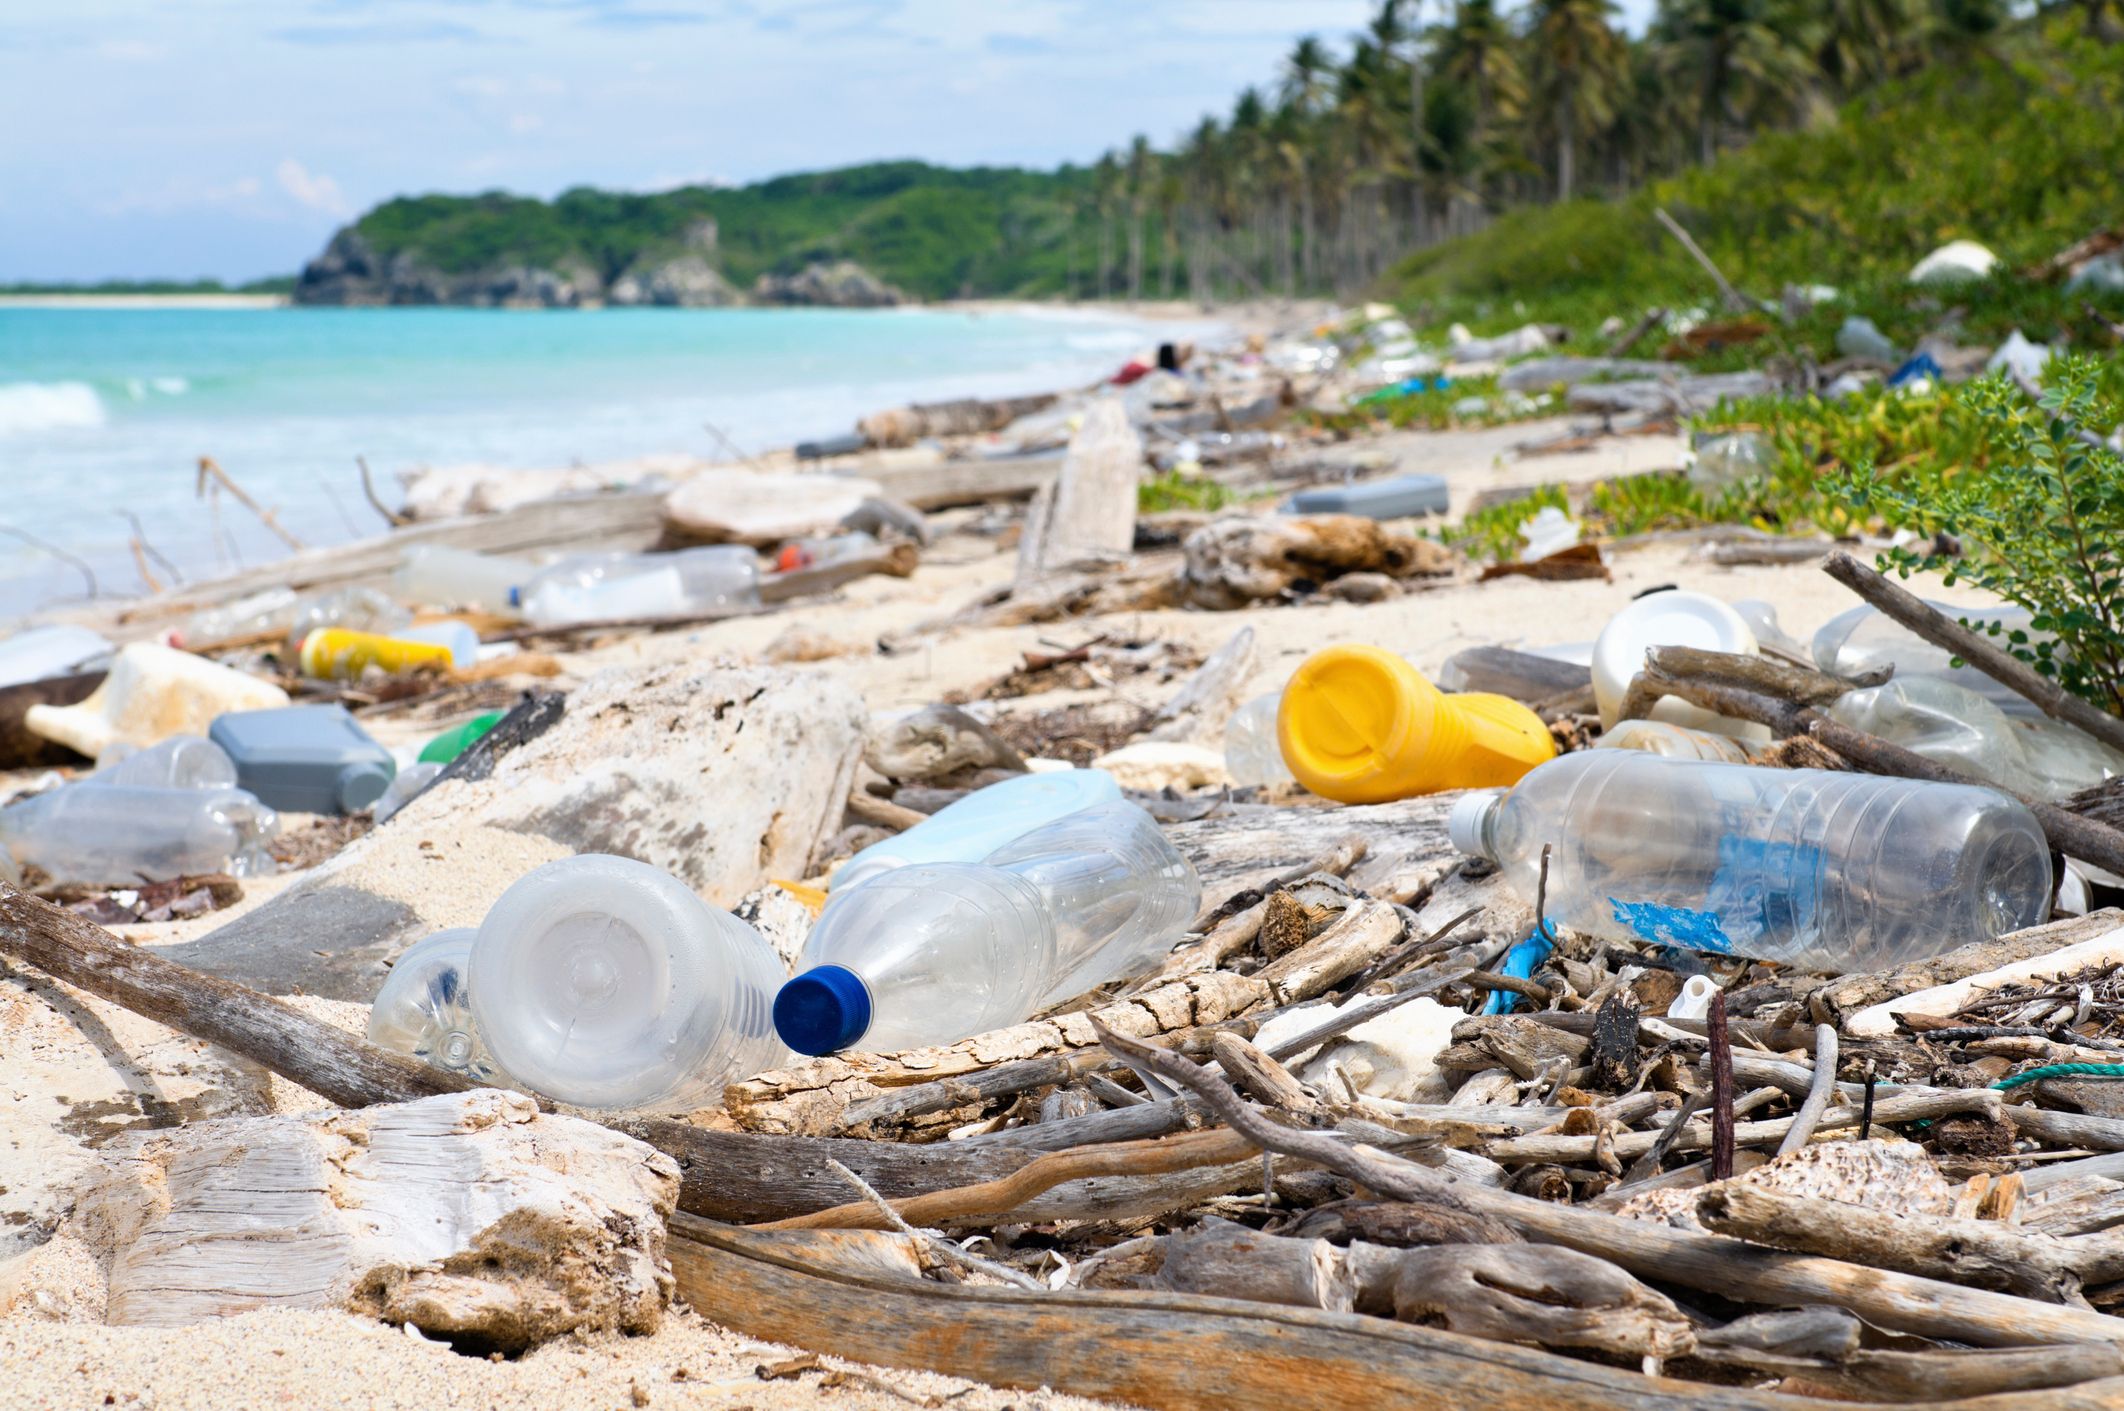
{"x":1673,"y":925}
{"x":1921,"y":365}
{"x":1520,"y":962}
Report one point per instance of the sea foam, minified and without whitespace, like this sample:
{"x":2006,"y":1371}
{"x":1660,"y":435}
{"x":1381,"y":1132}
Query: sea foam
{"x":48,"y":406}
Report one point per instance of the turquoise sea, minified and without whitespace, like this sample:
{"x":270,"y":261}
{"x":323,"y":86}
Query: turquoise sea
{"x":105,"y":411}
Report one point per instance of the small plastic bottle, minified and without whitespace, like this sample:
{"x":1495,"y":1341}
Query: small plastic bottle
{"x":1830,"y":871}
{"x":617,"y":587}
{"x":439,"y":576}
{"x":341,"y":654}
{"x":459,"y":637}
{"x":1358,"y":724}
{"x":180,"y":762}
{"x":824,"y":552}
{"x":1673,"y":741}
{"x":605,"y":982}
{"x":975,"y":826}
{"x":356,"y":609}
{"x":124,"y":833}
{"x":423,"y":1010}
{"x":930,"y":954}
{"x":262,"y":614}
{"x":1252,"y":754}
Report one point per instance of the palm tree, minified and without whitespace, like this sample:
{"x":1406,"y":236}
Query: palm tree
{"x":1306,"y":75}
{"x":1478,"y":51}
{"x":1740,"y":51}
{"x":1865,"y":41}
{"x":1579,"y":63}
{"x":1141,"y":162}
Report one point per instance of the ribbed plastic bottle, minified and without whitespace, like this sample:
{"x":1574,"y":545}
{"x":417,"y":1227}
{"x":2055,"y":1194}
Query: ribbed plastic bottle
{"x":1252,"y":754}
{"x":612,"y":587}
{"x":1673,"y":741}
{"x":1863,"y":638}
{"x":123,"y":833}
{"x":424,"y":1011}
{"x":441,"y":576}
{"x":180,"y":762}
{"x":605,"y":982}
{"x":1826,"y":870}
{"x":986,"y":819}
{"x":931,"y":954}
{"x":1358,"y":724}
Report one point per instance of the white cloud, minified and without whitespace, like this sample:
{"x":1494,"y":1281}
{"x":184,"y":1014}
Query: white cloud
{"x":312,"y":189}
{"x":128,"y":50}
{"x":524,"y":123}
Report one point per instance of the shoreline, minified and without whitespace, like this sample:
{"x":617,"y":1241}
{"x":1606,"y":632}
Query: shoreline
{"x":145,"y":301}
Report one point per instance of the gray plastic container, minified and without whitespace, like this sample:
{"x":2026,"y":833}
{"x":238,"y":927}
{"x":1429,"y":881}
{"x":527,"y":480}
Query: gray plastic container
{"x":305,"y":759}
{"x":1401,"y":497}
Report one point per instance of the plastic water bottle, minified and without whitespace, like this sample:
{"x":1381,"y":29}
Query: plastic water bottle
{"x":617,"y":587}
{"x":1864,"y":638}
{"x":357,"y":609}
{"x":1673,"y":741}
{"x":1807,"y":867}
{"x":128,"y":834}
{"x":605,"y":982}
{"x":180,"y":762}
{"x":423,"y":1010}
{"x":975,"y":826}
{"x":930,"y":954}
{"x":445,"y":577}
{"x":824,"y":552}
{"x":462,"y":641}
{"x":1252,"y":754}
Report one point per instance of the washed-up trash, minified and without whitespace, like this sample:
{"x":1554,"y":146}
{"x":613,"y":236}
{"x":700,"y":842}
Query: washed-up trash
{"x":1401,"y":497}
{"x":605,"y":982}
{"x":1728,"y":459}
{"x":40,"y":653}
{"x":755,"y":507}
{"x":1392,"y":1057}
{"x":1804,"y":867}
{"x":1252,"y":754}
{"x":975,"y":826}
{"x":1863,"y":639}
{"x":1547,"y":531}
{"x":341,"y":654}
{"x":127,"y":833}
{"x":424,"y":1009}
{"x":2102,"y":275}
{"x":1673,"y":741}
{"x":1156,"y":765}
{"x":817,"y":552}
{"x":1950,"y":724}
{"x":405,"y":786}
{"x":1674,"y":618}
{"x":1761,"y":618}
{"x":1918,"y":373}
{"x":261,"y":614}
{"x":1670,"y":396}
{"x":1953,"y":263}
{"x":1543,"y":373}
{"x":458,"y":738}
{"x":617,"y":587}
{"x":932,"y":953}
{"x":1359,"y":724}
{"x":180,"y":762}
{"x":445,"y":577}
{"x":1860,"y":337}
{"x":358,"y":609}
{"x":1694,"y":1001}
{"x":456,"y":637}
{"x":151,"y":693}
{"x":846,"y":444}
{"x":306,"y":759}
{"x":2025,"y":360}
{"x":1528,"y":338}
{"x":1407,"y":387}
{"x":1845,"y":384}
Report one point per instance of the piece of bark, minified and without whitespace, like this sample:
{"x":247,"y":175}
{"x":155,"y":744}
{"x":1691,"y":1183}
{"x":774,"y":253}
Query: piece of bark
{"x":1974,"y":1253}
{"x":1900,"y":1302}
{"x":1977,"y":649}
{"x":471,"y":1216}
{"x":1613,"y":1057}
{"x":936,"y":742}
{"x":1229,"y":1260}
{"x":1234,"y":931}
{"x":1089,"y":511}
{"x":1829,"y":1003}
{"x":1254,"y":1072}
{"x":868,"y":808}
{"x":1200,"y":709}
{"x":1287,"y":923}
{"x":1243,"y":559}
{"x":1791,"y":1332}
{"x":1400,"y":1224}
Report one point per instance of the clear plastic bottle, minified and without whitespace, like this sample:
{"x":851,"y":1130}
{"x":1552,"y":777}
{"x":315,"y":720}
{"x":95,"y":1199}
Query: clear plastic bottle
{"x":356,"y":608}
{"x":975,"y":826}
{"x":1944,"y":721}
{"x":931,"y":954}
{"x":261,"y":614}
{"x":459,"y":637}
{"x":605,"y":982}
{"x":615,"y":587}
{"x":1673,"y":741}
{"x":1252,"y":754}
{"x":1832,"y":871}
{"x":439,"y":576}
{"x":180,"y":762}
{"x":125,"y":833}
{"x":424,"y":1011}
{"x":1865,"y":638}
{"x":824,"y":552}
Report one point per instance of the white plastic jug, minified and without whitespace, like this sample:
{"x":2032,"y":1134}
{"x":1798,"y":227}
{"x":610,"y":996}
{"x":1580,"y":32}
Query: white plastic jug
{"x":151,"y":694}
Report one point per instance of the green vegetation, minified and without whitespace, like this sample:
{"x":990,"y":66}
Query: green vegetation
{"x":277,"y":284}
{"x":1174,"y":491}
{"x":2044,"y":528}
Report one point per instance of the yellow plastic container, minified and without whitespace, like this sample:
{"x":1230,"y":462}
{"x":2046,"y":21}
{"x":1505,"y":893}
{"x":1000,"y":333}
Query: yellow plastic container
{"x":1361,"y":725}
{"x":337,"y":654}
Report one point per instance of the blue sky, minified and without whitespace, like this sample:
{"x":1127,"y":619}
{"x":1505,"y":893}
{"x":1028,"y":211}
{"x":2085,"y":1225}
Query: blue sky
{"x":230,"y":137}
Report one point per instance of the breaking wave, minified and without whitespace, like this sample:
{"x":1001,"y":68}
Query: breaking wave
{"x":48,"y":406}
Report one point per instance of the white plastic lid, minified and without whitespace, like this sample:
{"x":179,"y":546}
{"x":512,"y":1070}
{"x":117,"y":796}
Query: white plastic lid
{"x":1469,"y":816}
{"x":1694,"y":1001}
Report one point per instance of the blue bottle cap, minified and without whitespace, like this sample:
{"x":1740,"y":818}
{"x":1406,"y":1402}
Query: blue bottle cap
{"x":823,"y":1010}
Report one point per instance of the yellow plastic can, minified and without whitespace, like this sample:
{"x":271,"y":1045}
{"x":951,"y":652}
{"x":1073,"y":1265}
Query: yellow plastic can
{"x":338,"y":654}
{"x":1359,"y":724}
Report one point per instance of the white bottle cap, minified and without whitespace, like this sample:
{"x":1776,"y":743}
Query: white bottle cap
{"x":1469,"y":816}
{"x":1694,"y":1001}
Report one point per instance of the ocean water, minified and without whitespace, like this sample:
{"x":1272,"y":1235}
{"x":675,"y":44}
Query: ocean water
{"x":105,"y":412}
